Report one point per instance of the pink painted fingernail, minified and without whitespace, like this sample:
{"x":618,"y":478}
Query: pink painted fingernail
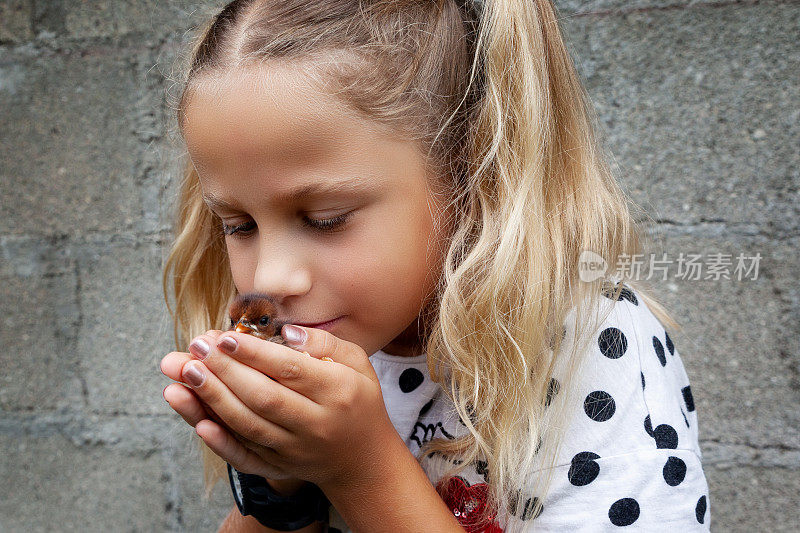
{"x":193,"y":375}
{"x":201,"y":348}
{"x":227,"y":344}
{"x":294,"y":334}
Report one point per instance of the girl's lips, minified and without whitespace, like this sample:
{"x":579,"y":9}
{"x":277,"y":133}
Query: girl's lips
{"x":324,"y":325}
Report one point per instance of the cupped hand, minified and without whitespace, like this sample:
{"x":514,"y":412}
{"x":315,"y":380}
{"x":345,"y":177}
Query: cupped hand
{"x":179,"y":397}
{"x":321,"y":421}
{"x":193,"y":410}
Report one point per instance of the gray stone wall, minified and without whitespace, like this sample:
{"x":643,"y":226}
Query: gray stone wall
{"x":698,"y":102}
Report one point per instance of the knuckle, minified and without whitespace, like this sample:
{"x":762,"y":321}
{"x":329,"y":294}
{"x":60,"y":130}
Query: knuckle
{"x":330,"y":345}
{"x":291,"y":370}
{"x":320,"y":432}
{"x":268,"y":400}
{"x":250,"y":429}
{"x":344,"y":395}
{"x":210,"y":395}
{"x":221,"y":365}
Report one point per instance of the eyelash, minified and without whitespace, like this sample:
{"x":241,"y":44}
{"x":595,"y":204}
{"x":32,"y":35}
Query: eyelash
{"x":327,"y":225}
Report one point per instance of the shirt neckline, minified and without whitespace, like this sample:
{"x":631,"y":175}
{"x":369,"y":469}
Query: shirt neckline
{"x":383,"y":356}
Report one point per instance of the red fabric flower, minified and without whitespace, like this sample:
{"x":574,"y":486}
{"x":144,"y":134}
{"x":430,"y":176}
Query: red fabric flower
{"x":468,"y":502}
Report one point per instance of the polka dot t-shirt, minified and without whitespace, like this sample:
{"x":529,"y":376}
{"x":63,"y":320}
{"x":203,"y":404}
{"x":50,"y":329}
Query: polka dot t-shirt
{"x":630,"y":457}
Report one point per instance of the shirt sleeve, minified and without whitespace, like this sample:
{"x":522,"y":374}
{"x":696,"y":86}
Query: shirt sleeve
{"x":631,"y":456}
{"x":646,"y":490}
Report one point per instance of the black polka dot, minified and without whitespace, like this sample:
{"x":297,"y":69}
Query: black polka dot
{"x":659,"y":351}
{"x":624,"y":512}
{"x":410,"y":379}
{"x":674,"y":471}
{"x":609,"y":289}
{"x":470,"y":413}
{"x":425,"y":408}
{"x":556,"y":338}
{"x":613,"y":343}
{"x":528,"y":508}
{"x":642,"y":373}
{"x":670,"y":346}
{"x":552,"y":389}
{"x":584,"y":469}
{"x":700,"y":509}
{"x":648,"y":426}
{"x":482,"y":469}
{"x":666,"y":436}
{"x":687,"y":397}
{"x":599,"y":406}
{"x":684,"y":418}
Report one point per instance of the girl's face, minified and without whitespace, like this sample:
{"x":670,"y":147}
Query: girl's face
{"x":323,"y":210}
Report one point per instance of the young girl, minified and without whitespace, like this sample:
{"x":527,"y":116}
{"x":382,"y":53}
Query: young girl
{"x":413,"y":183}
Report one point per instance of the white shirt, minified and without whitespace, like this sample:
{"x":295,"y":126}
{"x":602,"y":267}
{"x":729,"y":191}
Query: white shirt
{"x":630,"y":458}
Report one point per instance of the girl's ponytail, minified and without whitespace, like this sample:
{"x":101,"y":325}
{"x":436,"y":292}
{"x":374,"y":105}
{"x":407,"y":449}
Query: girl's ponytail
{"x":538,"y":193}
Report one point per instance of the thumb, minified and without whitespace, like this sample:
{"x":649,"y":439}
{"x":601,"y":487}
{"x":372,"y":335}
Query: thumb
{"x":326,"y":346}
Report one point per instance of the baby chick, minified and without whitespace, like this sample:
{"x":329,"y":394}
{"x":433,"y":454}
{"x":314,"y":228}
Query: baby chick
{"x":254,"y":313}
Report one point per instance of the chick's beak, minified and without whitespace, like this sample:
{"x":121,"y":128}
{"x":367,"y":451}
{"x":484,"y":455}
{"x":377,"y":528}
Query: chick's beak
{"x":244,"y":327}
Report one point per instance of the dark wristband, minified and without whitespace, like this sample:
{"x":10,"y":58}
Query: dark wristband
{"x":255,"y":497}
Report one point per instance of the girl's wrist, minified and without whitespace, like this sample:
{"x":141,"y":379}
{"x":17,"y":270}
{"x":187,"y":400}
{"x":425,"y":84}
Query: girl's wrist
{"x":286,"y":487}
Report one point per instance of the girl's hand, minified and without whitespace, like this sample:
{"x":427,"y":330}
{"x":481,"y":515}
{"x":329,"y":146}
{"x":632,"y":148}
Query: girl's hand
{"x":316,"y":420}
{"x":181,"y":398}
{"x":186,"y":403}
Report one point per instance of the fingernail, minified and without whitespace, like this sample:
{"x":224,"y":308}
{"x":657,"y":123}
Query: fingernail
{"x":294,"y":334}
{"x":227,"y":344}
{"x":162,"y":394}
{"x":193,"y":375}
{"x":201,"y":348}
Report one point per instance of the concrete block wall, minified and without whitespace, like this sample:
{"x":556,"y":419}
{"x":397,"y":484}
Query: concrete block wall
{"x":700,"y":107}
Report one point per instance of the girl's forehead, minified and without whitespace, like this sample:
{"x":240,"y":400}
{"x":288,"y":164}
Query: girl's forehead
{"x":270,"y":141}
{"x":268,"y":112}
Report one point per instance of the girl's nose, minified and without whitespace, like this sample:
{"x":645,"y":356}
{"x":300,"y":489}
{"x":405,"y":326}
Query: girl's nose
{"x":281,"y":271}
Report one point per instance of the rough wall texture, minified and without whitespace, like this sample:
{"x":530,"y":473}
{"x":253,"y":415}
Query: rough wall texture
{"x":699,"y":103}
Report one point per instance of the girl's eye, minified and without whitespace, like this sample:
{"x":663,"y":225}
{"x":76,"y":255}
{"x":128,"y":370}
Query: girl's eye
{"x":325,"y":225}
{"x":241,"y":230}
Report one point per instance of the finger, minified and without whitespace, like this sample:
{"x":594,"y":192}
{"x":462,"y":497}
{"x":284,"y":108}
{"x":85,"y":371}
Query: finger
{"x":192,"y":410}
{"x":325,"y":345}
{"x":263,"y":395}
{"x":238,"y":416}
{"x":173,"y":362}
{"x":185,"y":403}
{"x":291,"y":370}
{"x":234,"y":452}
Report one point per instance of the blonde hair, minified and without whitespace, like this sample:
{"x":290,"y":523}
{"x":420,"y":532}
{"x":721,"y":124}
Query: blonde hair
{"x":490,"y":93}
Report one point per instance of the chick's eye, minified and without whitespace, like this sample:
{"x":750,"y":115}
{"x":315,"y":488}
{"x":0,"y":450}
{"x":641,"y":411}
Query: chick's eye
{"x":264,"y":320}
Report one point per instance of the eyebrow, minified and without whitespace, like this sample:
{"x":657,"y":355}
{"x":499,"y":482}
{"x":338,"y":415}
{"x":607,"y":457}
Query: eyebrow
{"x":353,"y":185}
